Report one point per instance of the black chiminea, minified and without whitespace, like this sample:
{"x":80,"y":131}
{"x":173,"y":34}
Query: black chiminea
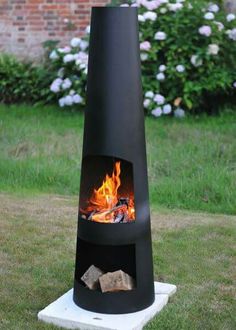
{"x":114,"y":218}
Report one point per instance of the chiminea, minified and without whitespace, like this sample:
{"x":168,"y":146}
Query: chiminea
{"x":114,"y":218}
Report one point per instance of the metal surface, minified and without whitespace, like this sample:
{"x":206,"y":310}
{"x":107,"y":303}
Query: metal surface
{"x":114,"y":126}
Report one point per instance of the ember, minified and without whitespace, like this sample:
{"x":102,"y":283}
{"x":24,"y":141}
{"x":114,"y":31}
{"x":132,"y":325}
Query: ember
{"x":106,"y":205}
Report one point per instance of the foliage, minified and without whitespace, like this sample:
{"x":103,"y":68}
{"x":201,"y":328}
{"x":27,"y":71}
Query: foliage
{"x":188,"y":54}
{"x":23,"y":82}
{"x":70,"y":63}
{"x":188,"y":51}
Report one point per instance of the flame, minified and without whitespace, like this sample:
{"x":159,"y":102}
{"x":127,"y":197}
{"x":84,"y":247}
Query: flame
{"x":103,"y":202}
{"x":106,"y":196}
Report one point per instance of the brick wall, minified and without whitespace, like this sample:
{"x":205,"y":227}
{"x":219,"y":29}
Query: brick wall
{"x":25,"y":24}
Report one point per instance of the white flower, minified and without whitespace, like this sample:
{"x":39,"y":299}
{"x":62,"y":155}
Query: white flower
{"x":234,"y":84}
{"x":219,"y":25}
{"x":83,"y":44}
{"x":151,"y":5}
{"x":64,"y":50}
{"x":134,"y":5}
{"x":61,"y":102}
{"x":141,"y":18}
{"x":76,"y":56}
{"x":152,"y":16}
{"x":167,"y":109}
{"x":160,"y":35}
{"x":163,"y":10}
{"x":80,"y":58}
{"x":124,"y":5}
{"x":196,"y":60}
{"x":145,"y":45}
{"x":179,"y":113}
{"x":159,"y":99}
{"x":230,"y":17}
{"x":72,"y":92}
{"x":77,"y":99}
{"x":83,"y":66}
{"x":213,"y":49}
{"x":160,"y":76}
{"x":60,"y":72}
{"x":162,"y":68}
{"x":232,"y":34}
{"x":175,"y":6}
{"x":205,"y":30}
{"x":157,"y":112}
{"x":146,"y":103}
{"x":55,"y":85}
{"x":83,"y":56}
{"x":209,"y":16}
{"x":180,"y":68}
{"x":53,"y":55}
{"x":66,"y":83}
{"x":68,"y":58}
{"x":144,"y":56}
{"x":68,"y":100}
{"x":78,"y":62}
{"x":149,"y":94}
{"x":213,"y":7}
{"x":87,"y":30}
{"x":75,"y":42}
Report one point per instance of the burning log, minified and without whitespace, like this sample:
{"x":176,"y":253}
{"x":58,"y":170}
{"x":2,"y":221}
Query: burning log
{"x":105,"y":205}
{"x":116,"y":281}
{"x":118,"y":213}
{"x":91,"y":277}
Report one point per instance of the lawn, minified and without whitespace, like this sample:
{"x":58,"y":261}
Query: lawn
{"x":192,"y":180}
{"x":191,"y":162}
{"x":195,"y":251}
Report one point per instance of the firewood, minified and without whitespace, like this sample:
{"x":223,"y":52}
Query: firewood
{"x":123,"y":201}
{"x":116,"y":281}
{"x":115,"y":209}
{"x":91,"y":276}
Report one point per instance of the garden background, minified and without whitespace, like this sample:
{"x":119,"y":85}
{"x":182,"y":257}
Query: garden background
{"x":188,"y":51}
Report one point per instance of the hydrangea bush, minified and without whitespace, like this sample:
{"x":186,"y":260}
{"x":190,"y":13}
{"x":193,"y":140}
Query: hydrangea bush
{"x":188,"y":52}
{"x":71,"y":65}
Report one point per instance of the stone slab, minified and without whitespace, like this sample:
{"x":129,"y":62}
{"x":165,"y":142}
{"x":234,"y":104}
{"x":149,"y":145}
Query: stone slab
{"x":65,"y":313}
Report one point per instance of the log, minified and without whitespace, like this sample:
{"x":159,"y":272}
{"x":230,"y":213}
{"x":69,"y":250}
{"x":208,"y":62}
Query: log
{"x":115,"y":210}
{"x":91,"y":277}
{"x":116,"y":281}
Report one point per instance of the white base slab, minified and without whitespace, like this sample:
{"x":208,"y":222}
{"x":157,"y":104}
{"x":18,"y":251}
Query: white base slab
{"x":65,"y":313}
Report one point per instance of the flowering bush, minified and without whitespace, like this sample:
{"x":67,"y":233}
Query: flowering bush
{"x":71,"y":64}
{"x":188,"y":51}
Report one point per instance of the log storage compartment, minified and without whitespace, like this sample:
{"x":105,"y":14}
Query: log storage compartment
{"x":114,"y":271}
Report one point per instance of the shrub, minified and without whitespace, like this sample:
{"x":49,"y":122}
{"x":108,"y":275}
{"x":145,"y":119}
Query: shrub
{"x":23,"y":82}
{"x":188,"y":51}
{"x":70,"y":63}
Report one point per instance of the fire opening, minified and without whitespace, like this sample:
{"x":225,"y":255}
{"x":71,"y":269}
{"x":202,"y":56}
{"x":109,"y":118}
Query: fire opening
{"x":110,"y":203}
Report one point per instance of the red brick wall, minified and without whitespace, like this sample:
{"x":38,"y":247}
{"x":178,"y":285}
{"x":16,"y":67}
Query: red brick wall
{"x":25,"y":24}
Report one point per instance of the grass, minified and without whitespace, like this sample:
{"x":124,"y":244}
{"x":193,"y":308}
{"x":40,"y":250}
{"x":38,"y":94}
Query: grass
{"x":195,"y":251}
{"x":192,"y":166}
{"x":192,"y":162}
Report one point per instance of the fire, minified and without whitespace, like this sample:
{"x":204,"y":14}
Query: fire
{"x":106,"y":205}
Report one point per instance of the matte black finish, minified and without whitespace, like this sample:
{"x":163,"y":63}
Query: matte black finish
{"x":114,"y":126}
